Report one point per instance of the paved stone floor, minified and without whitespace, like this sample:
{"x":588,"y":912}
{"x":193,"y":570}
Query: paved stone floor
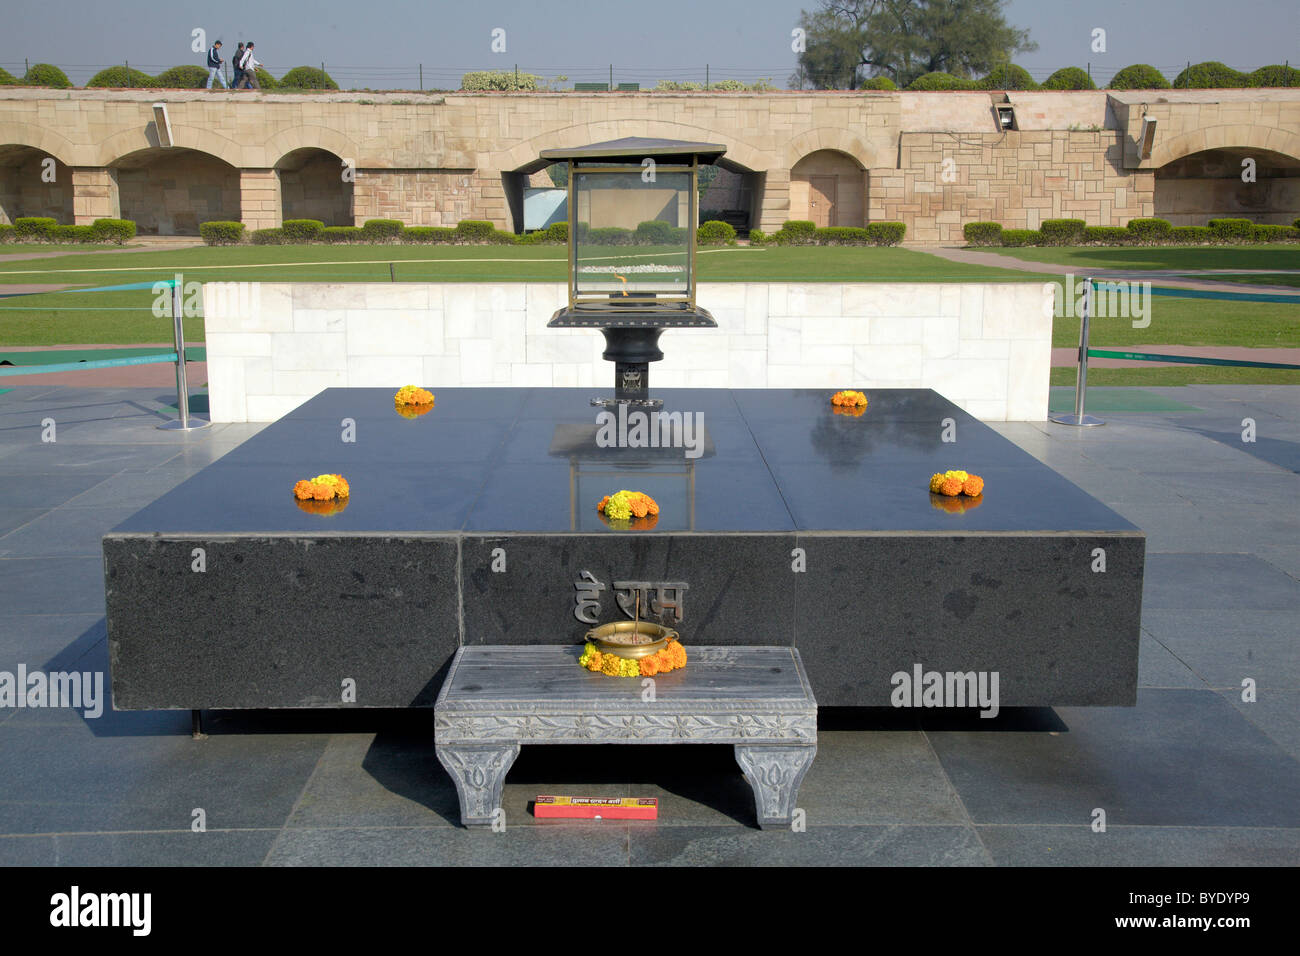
{"x":1191,"y":775}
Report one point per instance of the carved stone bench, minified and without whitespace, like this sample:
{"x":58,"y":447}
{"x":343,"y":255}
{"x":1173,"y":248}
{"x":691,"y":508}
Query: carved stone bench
{"x":498,"y":697}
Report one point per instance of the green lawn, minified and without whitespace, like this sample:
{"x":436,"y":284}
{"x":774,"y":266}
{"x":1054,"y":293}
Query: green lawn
{"x":12,"y":248}
{"x":1176,"y":321}
{"x":486,"y":263}
{"x":1171,"y":258}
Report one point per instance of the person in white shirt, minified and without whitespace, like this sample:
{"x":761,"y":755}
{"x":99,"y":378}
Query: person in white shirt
{"x":249,"y":66}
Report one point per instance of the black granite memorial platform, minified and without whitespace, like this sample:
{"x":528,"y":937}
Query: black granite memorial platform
{"x":476,"y":523}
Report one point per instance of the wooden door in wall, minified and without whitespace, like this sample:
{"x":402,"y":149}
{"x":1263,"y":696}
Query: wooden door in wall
{"x":821,"y":200}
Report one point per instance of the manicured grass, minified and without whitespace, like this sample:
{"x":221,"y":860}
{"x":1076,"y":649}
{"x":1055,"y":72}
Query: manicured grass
{"x":1264,"y":278}
{"x":107,"y":318}
{"x":11,"y":248}
{"x":1176,"y":321}
{"x":487,"y":263}
{"x":1178,"y":375}
{"x":1172,"y":258}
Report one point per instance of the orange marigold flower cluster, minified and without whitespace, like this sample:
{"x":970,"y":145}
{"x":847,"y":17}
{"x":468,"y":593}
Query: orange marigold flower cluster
{"x":849,"y":398}
{"x":853,"y":411}
{"x":670,"y":658}
{"x":312,"y":506}
{"x":413,"y":395}
{"x":953,"y":483}
{"x":625,"y":504}
{"x":322,"y":488}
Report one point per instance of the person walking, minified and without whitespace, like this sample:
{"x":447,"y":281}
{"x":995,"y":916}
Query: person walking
{"x":214,"y":65}
{"x":249,"y":65}
{"x":236,"y":73}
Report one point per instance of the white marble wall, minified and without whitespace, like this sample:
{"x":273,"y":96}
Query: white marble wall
{"x":985,"y":346}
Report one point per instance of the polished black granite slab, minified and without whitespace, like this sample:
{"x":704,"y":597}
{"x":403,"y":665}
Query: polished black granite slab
{"x":476,"y":524}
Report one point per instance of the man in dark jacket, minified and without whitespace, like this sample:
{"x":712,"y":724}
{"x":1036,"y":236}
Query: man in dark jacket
{"x":236,"y":72}
{"x":214,"y":65}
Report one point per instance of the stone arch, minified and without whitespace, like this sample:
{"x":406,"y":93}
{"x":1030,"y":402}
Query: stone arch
{"x":832,"y":138}
{"x":171,"y":191}
{"x":191,"y":138}
{"x":293,"y":138}
{"x":312,"y":186}
{"x":829,"y":187}
{"x":38,"y":137}
{"x":1199,"y":186}
{"x":33,"y":182}
{"x":1273,"y":139}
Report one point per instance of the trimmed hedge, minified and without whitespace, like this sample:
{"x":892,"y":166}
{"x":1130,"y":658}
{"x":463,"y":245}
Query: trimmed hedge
{"x":757,"y":237}
{"x":221,"y":232}
{"x":308,"y":78}
{"x":609,"y":236}
{"x":1069,"y":78}
{"x":187,"y":77}
{"x":499,"y":80}
{"x":942,"y":81}
{"x":34,"y":228}
{"x":797,"y":232}
{"x":474,"y":230}
{"x":113,"y":230}
{"x":1232,"y":230}
{"x":1061,"y":232}
{"x":715,"y":233}
{"x":1275,"y":233}
{"x":558,"y":232}
{"x":886,"y":233}
{"x":342,"y":234}
{"x":1106,"y":236}
{"x":6,"y":233}
{"x":119,"y":76}
{"x":302,"y":230}
{"x":842,"y":236}
{"x":421,"y":234}
{"x":1139,"y":76}
{"x":1209,"y":76}
{"x":268,"y":237}
{"x":382,"y":230}
{"x":982,"y":233}
{"x":1191,"y":235}
{"x":46,"y":74}
{"x":1020,"y":237}
{"x":1008,"y":76}
{"x":72,"y":234}
{"x":653,"y":232}
{"x":1149,"y":230}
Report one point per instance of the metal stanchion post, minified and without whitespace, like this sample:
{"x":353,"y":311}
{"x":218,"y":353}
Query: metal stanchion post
{"x":185,"y":423}
{"x":1081,"y":381}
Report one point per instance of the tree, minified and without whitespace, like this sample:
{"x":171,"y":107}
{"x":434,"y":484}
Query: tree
{"x":849,"y":40}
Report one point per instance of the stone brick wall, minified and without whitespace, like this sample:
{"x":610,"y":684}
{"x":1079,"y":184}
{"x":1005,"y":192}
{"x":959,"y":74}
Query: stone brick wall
{"x":172,"y":195}
{"x":24,"y":191}
{"x":429,"y":197}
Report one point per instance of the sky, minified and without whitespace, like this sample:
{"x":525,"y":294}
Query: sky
{"x":381,"y":44}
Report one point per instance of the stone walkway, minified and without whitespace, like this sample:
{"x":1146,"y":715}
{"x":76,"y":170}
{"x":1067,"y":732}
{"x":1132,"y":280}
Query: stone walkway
{"x":1192,"y":775}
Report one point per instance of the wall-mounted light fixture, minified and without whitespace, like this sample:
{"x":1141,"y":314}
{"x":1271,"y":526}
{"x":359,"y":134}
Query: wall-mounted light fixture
{"x":163,"y":124}
{"x":1004,"y":113}
{"x":1148,"y":139}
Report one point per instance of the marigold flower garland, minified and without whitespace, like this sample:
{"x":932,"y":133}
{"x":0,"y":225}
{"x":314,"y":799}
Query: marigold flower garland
{"x":849,"y":398}
{"x":627,"y":509}
{"x":953,"y":483}
{"x":322,"y":488}
{"x":671,"y":658}
{"x":413,"y":395}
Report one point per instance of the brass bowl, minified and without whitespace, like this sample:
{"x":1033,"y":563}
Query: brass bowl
{"x":631,"y":639}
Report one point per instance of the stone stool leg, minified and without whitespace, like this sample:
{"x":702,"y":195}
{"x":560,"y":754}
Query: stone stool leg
{"x":775,"y":772}
{"x":479,"y":773}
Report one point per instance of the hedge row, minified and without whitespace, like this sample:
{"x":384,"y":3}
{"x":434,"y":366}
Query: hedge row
{"x":186,"y":77}
{"x":298,"y":231}
{"x":1139,"y":76}
{"x":803,"y":232}
{"x":1138,"y":232}
{"x":47,"y":229}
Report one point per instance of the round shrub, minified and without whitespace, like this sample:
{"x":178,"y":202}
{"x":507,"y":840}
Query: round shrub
{"x":941,"y":81}
{"x":266,"y":80}
{"x":1008,"y":76}
{"x":114,"y":230}
{"x":797,"y":232}
{"x":118,"y":77}
{"x":1069,"y":78}
{"x":1106,"y":236}
{"x":72,"y":234}
{"x":557,"y":232}
{"x":6,"y":233}
{"x":879,"y":83}
{"x":982,"y":233}
{"x":302,"y":230}
{"x":423,"y":234}
{"x":886,"y":233}
{"x":341,"y":234}
{"x":1232,"y":230}
{"x":653,"y":232}
{"x":268,"y":237}
{"x":47,"y":74}
{"x":1210,"y":75}
{"x":381,"y":230}
{"x":221,"y":233}
{"x":1139,"y":76}
{"x":1019,"y":237}
{"x":307,"y":78}
{"x":188,"y":77}
{"x":498,"y":80}
{"x":474,"y":230}
{"x":1149,"y":231}
{"x":6,"y":78}
{"x":715,"y":233}
{"x":1191,"y":235}
{"x":1275,"y":75}
{"x":1061,"y":232}
{"x":34,"y":228}
{"x":757,"y":237}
